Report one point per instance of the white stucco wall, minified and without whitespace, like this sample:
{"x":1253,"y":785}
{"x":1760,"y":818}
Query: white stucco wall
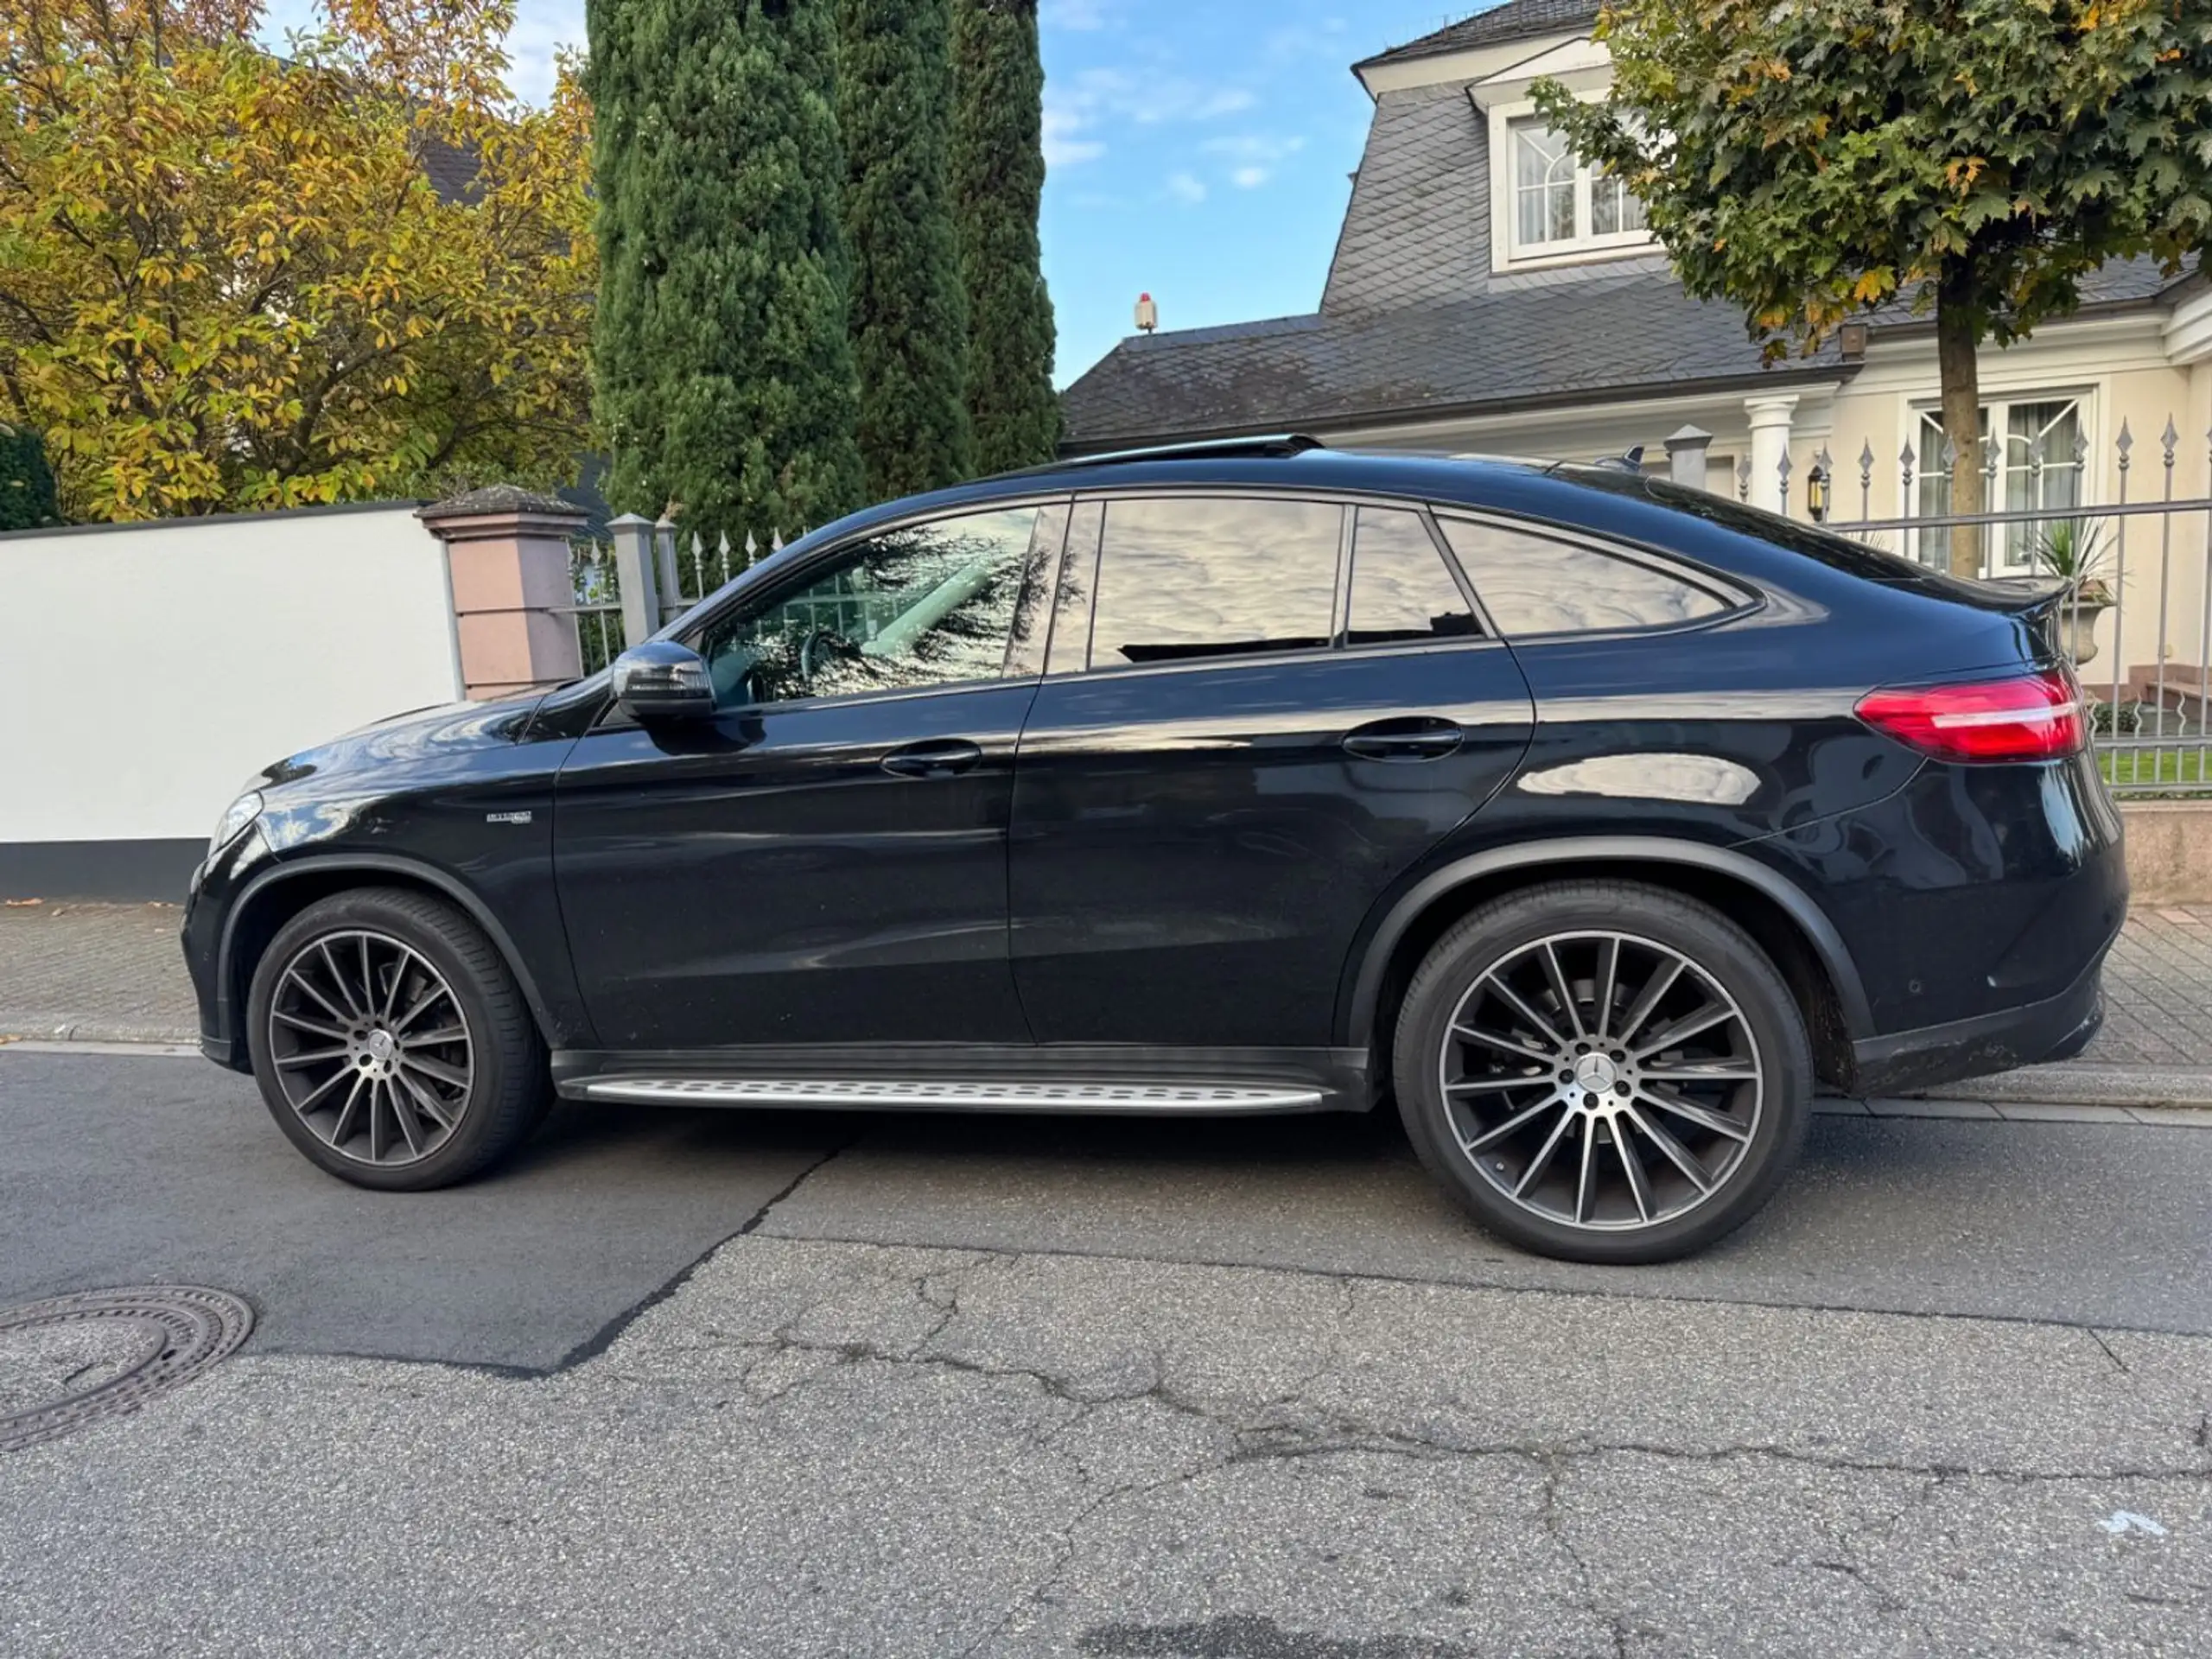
{"x":148,"y":670}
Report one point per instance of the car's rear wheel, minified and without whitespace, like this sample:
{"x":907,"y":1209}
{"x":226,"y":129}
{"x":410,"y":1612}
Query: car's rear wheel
{"x":1603,"y":1071}
{"x":391,"y":1044}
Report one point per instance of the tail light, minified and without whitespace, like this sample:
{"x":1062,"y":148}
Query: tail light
{"x":2021,"y":717}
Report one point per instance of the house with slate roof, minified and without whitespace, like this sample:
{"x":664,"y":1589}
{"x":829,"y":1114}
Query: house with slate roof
{"x":1488,"y":295}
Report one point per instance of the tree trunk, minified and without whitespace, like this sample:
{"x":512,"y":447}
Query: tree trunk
{"x":1961,"y":375}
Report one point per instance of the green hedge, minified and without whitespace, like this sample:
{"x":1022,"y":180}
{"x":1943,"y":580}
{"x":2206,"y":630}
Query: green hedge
{"x":26,"y":499}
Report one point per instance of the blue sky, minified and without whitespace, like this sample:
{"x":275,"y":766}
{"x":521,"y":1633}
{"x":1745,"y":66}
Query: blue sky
{"x":1201,"y":150}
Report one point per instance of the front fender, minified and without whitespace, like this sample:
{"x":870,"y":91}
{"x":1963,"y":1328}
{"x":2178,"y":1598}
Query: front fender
{"x":551,"y":996}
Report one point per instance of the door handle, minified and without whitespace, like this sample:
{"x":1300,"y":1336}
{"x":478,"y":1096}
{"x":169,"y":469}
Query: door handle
{"x":935,"y":757}
{"x":1417,"y":738}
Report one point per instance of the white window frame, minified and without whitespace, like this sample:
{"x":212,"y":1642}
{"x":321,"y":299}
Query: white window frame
{"x":1508,"y":253}
{"x":1933,"y":547}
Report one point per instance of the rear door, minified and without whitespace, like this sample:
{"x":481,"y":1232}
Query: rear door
{"x":1259,"y":710}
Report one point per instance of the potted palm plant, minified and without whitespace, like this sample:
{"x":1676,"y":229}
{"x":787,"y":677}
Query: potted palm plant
{"x":2073,"y":549}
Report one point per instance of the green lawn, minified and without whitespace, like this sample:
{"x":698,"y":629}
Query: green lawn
{"x":2180,"y":769}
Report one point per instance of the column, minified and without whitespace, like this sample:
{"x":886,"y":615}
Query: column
{"x":1770,"y":418}
{"x":507,"y":551}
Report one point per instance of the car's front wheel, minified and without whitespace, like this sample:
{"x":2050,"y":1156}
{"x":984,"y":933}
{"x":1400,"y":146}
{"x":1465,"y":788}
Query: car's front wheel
{"x":1603,"y":1071}
{"x":391,"y":1044}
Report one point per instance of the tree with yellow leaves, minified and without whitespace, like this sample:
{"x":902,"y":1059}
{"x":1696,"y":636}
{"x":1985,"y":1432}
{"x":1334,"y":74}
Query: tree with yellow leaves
{"x":233,"y":281}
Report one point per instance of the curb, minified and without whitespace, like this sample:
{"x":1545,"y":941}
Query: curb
{"x":2071,"y":1082}
{"x":46,"y":1028}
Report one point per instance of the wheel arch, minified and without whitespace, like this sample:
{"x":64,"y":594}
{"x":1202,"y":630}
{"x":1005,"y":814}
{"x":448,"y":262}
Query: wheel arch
{"x":1803,"y":943}
{"x":281,"y":892}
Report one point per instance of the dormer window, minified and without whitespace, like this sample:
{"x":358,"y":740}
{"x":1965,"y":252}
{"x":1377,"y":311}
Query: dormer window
{"x":1559,"y":206}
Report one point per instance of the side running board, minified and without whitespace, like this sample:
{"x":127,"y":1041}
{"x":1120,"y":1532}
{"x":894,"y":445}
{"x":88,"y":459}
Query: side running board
{"x":1134,"y":1099}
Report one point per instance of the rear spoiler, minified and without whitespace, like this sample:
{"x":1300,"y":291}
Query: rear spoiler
{"x":2037,"y":603}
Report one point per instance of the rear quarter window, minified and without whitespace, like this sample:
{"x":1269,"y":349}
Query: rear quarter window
{"x":1531,"y":584}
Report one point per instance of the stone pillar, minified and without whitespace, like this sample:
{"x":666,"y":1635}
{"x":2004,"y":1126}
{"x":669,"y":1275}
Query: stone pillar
{"x":507,"y":551}
{"x":633,"y":537}
{"x":1769,"y":417}
{"x":1686,"y":456}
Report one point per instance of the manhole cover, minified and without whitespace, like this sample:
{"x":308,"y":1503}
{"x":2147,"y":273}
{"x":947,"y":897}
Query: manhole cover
{"x":68,"y":1362}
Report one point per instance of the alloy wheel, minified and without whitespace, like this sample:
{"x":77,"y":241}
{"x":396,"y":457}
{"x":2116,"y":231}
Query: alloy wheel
{"x":371,"y":1047}
{"x":1601,"y":1080}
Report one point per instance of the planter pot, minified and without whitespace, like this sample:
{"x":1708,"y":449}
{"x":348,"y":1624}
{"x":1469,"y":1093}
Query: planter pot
{"x":2077,"y":622}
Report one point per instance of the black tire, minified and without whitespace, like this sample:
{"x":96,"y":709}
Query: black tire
{"x":508,"y":1089}
{"x":1505,"y":935}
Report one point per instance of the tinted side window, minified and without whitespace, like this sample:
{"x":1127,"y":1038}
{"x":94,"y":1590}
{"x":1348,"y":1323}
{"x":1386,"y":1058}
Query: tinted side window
{"x":1532,"y":585}
{"x":1399,"y":588}
{"x":1184,"y":578}
{"x":928,"y":605}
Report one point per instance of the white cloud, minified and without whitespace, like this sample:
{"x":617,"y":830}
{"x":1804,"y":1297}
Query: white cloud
{"x":1146,"y":99}
{"x":1186,"y":187}
{"x":1255,"y":148}
{"x":1253,"y":156}
{"x":1062,"y":146}
{"x":1081,"y":111}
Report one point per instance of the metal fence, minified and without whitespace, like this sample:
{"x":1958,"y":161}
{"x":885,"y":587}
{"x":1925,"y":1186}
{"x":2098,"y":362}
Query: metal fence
{"x":638,"y":575}
{"x":597,"y":608}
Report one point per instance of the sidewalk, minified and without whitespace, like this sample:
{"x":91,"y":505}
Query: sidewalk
{"x":112,"y":973}
{"x":95,"y":973}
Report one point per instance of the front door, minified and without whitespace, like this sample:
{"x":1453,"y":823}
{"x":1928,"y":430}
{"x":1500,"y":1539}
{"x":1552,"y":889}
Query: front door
{"x":825,"y":860}
{"x":1271,"y":710}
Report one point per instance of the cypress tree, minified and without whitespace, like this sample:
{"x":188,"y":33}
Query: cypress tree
{"x":725,"y":379}
{"x":909,"y":312}
{"x":998,"y":184}
{"x":26,"y":495}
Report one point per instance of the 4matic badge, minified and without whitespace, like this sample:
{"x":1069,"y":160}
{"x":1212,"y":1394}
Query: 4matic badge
{"x":506,"y":817}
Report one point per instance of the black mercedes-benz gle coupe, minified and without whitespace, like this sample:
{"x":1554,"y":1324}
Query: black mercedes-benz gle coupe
{"x":1589,"y":819}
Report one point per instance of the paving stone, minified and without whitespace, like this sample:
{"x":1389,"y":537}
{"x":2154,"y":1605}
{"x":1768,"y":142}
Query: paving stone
{"x":1881,"y":1108}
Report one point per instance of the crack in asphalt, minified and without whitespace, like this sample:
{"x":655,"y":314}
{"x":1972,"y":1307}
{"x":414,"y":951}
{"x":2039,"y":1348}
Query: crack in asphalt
{"x":598,"y":1343}
{"x":1283,"y":1427}
{"x":2098,"y":1337}
{"x":1624,"y":1291}
{"x":1555,"y":1529}
{"x":1325,"y":1436}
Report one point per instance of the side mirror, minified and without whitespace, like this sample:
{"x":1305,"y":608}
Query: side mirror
{"x":661,"y":681}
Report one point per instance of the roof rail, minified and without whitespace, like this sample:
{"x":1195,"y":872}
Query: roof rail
{"x":1280,"y":446}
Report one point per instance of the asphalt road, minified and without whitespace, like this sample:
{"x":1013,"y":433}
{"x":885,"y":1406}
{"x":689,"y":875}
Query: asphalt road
{"x":1246,"y":1389}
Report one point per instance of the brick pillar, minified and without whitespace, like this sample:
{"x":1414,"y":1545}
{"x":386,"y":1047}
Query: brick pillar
{"x":508,"y":552}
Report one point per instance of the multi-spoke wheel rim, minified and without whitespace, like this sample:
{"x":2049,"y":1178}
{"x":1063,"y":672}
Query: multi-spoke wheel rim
{"x":371,"y":1047}
{"x":1602,"y":1081}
